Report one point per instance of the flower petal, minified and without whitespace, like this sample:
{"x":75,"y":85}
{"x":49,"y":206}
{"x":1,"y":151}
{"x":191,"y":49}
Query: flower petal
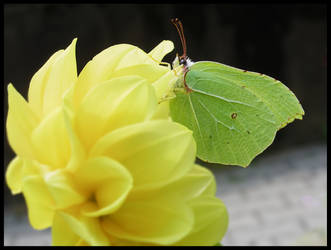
{"x":102,"y":67}
{"x":164,"y":85}
{"x":199,"y":181}
{"x":153,"y":220}
{"x":163,"y":48}
{"x":150,"y":72}
{"x":86,"y":228}
{"x":162,"y":111}
{"x":155,"y":152}
{"x":38,"y":83}
{"x":14,"y":175}
{"x":62,"y":235}
{"x":113,"y":104}
{"x":21,"y":120}
{"x":109,"y":180}
{"x":164,"y":91}
{"x":60,"y":78}
{"x":39,"y":202}
{"x":134,"y":57}
{"x":63,"y":189}
{"x":210,"y":225}
{"x":78,"y":154}
{"x":50,"y":140}
{"x":99,"y":69}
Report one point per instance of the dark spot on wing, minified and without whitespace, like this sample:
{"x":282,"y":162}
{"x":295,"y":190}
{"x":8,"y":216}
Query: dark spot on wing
{"x":248,"y":132}
{"x":234,"y":115}
{"x":210,"y":137}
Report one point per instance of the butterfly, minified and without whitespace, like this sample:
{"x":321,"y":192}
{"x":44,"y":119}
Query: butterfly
{"x":234,"y":114}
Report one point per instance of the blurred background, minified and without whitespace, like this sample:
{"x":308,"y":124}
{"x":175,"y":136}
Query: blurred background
{"x":285,"y":41}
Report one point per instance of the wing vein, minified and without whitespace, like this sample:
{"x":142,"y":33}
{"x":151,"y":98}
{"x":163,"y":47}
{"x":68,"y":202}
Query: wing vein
{"x":219,"y":122}
{"x":196,"y":120}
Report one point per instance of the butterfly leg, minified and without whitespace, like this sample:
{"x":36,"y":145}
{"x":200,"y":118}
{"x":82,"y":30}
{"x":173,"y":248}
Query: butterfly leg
{"x":166,"y":98}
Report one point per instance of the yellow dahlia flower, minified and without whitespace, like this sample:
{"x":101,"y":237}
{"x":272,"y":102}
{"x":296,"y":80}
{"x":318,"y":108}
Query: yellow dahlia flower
{"x":99,"y":160}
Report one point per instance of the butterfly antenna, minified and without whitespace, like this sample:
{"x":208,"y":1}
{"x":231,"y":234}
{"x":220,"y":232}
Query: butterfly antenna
{"x":179,"y":26}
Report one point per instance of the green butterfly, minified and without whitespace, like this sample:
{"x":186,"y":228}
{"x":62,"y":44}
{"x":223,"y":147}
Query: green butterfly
{"x":234,"y":114}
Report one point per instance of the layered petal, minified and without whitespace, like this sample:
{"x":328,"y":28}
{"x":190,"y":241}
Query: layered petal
{"x":63,"y":189}
{"x":78,"y":152}
{"x":155,"y":221}
{"x":72,"y":228}
{"x":108,"y":181}
{"x":164,"y":92}
{"x":14,"y":175}
{"x":21,"y":121}
{"x":51,"y":141}
{"x":198,"y":182}
{"x":62,"y":234}
{"x":155,"y":152}
{"x":39,"y":202}
{"x":210,"y":222}
{"x":45,"y":191}
{"x":106,"y":63}
{"x":149,"y":72}
{"x":116,"y":103}
{"x":50,"y":83}
{"x":17,"y":169}
{"x":38,"y":83}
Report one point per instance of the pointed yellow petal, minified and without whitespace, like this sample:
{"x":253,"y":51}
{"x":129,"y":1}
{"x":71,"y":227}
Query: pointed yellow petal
{"x":21,"y":120}
{"x":63,"y":189}
{"x":162,"y":111}
{"x":210,"y":224}
{"x":99,"y":69}
{"x":62,"y":235}
{"x":14,"y":175}
{"x":199,"y":181}
{"x":32,"y":167}
{"x":110,"y":182}
{"x":165,"y":47}
{"x":39,"y":202}
{"x":149,"y":72}
{"x":206,"y":178}
{"x":104,"y":65}
{"x":50,"y":140}
{"x":163,"y":86}
{"x":155,"y":221}
{"x":134,"y":57}
{"x":38,"y":83}
{"x":155,"y":152}
{"x":113,"y":104}
{"x":87,"y":228}
{"x":78,"y":154}
{"x":61,"y":76}
{"x":164,"y":91}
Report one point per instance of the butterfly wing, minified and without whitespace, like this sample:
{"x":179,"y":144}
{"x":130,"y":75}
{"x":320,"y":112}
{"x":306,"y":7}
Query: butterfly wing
{"x":234,"y":114}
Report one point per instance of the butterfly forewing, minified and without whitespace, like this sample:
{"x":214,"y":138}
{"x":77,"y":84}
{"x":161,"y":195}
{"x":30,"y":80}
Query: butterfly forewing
{"x":234,"y":114}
